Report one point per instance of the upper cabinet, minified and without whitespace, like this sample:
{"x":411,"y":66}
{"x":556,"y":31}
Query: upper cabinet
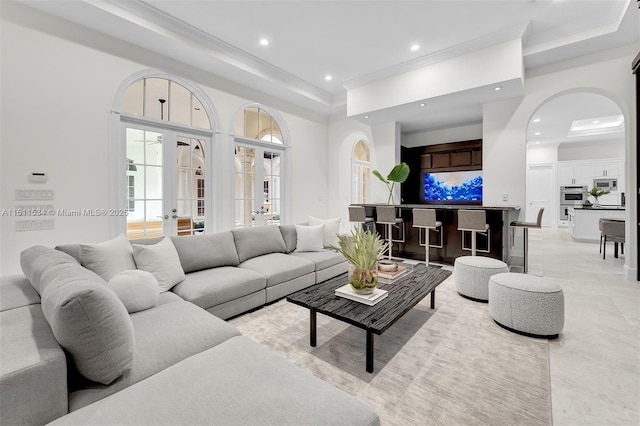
{"x":570,"y":173}
{"x":607,"y":169}
{"x":584,"y":172}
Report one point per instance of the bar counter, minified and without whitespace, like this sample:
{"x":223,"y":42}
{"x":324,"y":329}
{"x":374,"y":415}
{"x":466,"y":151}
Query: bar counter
{"x":495,"y":245}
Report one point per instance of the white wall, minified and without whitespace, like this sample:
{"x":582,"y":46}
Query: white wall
{"x":542,"y":154}
{"x":455,"y":134}
{"x":505,"y":124}
{"x":589,"y":151}
{"x":57,"y":93}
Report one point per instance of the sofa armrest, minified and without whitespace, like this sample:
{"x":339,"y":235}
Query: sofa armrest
{"x":33,"y":369}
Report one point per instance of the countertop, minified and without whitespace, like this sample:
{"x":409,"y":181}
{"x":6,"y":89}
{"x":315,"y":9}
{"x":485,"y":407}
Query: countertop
{"x":610,"y":208}
{"x":447,"y":206}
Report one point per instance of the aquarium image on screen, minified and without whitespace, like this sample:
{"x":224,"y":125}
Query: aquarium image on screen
{"x":453,"y":186}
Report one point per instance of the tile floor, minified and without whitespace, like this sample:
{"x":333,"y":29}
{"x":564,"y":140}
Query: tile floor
{"x":595,"y":363}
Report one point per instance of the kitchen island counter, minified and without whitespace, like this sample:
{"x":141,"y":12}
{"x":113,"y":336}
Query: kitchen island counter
{"x":583,"y":222}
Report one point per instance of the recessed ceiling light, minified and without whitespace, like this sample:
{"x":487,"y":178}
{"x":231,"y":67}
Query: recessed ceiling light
{"x":422,"y":104}
{"x":537,"y":143}
{"x":328,"y":77}
{"x":536,"y":120}
{"x":366,"y":116}
{"x":415,"y":47}
{"x":537,"y":133}
{"x":596,"y":121}
{"x":497,"y":88}
{"x":264,"y":42}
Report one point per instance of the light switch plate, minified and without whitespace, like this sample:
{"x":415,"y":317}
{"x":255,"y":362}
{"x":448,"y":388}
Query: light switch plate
{"x":505,"y":197}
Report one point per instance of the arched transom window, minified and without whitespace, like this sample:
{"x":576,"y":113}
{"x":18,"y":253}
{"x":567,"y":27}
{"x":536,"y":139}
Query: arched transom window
{"x":361,"y":172}
{"x":256,"y":123}
{"x":165,"y":100}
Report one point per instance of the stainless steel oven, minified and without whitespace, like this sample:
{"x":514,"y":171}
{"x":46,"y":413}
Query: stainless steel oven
{"x":570,"y":196}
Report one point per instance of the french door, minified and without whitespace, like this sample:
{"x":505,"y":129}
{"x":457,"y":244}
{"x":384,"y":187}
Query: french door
{"x":258,"y":185}
{"x":166,"y":186}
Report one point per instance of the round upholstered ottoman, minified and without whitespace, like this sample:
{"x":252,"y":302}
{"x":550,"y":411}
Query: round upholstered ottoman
{"x":527,"y":304}
{"x":472,"y":275}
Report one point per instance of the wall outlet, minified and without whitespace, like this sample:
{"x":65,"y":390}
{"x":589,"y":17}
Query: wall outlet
{"x":505,"y":197}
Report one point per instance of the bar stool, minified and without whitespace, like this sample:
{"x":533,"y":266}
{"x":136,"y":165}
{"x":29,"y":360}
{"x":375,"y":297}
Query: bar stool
{"x":386,"y":215}
{"x":358,"y":214}
{"x":426,"y":218}
{"x":473,"y":221}
{"x":526,"y":226}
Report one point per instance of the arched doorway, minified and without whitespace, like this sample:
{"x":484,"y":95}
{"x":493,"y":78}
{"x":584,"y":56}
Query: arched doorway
{"x":573,"y":140}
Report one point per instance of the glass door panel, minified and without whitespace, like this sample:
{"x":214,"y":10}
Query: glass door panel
{"x":244,"y":186}
{"x":258,"y":186}
{"x":144,"y":190}
{"x":190,"y":186}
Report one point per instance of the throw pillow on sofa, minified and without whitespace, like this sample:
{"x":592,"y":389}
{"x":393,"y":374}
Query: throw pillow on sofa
{"x":108,"y":258}
{"x":137,"y":290}
{"x":162,"y":261}
{"x":88,"y":321}
{"x":309,"y":238}
{"x":331,"y":228}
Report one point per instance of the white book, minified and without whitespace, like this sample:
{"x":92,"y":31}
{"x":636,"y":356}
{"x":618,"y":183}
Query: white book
{"x":348,"y":292}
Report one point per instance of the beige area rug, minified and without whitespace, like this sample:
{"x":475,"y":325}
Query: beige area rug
{"x":448,"y":366}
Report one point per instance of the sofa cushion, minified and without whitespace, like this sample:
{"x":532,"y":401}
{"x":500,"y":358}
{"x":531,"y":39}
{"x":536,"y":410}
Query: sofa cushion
{"x":37,"y":259}
{"x":239,"y":382}
{"x":137,"y":290}
{"x":88,"y":320}
{"x":16,"y":291}
{"x":212,"y":287}
{"x":322,"y":260}
{"x":161,"y":260}
{"x":309,"y":238}
{"x":198,"y":252}
{"x":289,"y":236}
{"x":331,"y":228}
{"x":164,"y":336}
{"x":279,"y":267}
{"x":252,"y":242}
{"x":33,"y":369}
{"x":108,"y":258}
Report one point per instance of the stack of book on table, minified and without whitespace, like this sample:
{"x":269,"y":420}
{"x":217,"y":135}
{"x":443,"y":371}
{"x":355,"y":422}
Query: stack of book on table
{"x":371,"y":299}
{"x":390,"y":276}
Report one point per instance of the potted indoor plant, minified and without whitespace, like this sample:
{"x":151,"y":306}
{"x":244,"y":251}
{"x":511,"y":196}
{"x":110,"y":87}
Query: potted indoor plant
{"x":596,"y":193}
{"x":362,"y":249}
{"x":398,"y":174}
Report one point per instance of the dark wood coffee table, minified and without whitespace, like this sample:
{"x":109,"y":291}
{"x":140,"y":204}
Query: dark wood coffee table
{"x":404,"y":294}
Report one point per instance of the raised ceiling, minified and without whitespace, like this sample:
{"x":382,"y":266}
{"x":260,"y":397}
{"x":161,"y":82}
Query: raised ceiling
{"x":356,"y":42}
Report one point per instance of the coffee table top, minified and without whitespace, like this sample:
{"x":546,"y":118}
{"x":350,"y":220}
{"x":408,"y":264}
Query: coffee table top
{"x":404,"y":294}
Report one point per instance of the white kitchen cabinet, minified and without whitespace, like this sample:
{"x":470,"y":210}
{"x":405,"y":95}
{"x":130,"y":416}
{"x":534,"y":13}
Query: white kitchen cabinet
{"x":575,"y":173}
{"x":607,"y":169}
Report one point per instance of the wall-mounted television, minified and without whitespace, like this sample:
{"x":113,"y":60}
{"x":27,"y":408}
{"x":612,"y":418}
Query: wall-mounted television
{"x":463,"y":187}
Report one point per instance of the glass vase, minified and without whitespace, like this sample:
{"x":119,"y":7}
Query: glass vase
{"x":363,"y":281}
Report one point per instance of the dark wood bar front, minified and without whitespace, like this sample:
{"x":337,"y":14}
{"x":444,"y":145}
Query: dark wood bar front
{"x":496,"y":244}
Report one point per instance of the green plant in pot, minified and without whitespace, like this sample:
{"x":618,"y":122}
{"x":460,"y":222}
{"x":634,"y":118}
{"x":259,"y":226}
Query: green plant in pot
{"x":596,"y":193}
{"x":362,"y":249}
{"x":398,"y":174}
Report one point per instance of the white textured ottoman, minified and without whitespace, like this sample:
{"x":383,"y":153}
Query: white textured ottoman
{"x":472,"y":275}
{"x":527,"y":304}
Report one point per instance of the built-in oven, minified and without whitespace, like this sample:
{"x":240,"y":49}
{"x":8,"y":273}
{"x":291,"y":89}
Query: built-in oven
{"x":570,"y":196}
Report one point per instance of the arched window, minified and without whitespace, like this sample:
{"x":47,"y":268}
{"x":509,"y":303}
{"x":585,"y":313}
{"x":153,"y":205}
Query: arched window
{"x":360,"y":173}
{"x":166,"y":140}
{"x":259,"y":168}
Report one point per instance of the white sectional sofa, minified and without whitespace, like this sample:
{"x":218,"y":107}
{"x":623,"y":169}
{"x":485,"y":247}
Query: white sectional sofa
{"x":74,"y":350}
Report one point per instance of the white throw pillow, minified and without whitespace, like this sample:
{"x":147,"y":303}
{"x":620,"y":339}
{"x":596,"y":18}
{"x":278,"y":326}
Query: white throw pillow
{"x":162,"y":261}
{"x":109,"y":258}
{"x":331,"y":228}
{"x":138,"y":290}
{"x":309,"y":238}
